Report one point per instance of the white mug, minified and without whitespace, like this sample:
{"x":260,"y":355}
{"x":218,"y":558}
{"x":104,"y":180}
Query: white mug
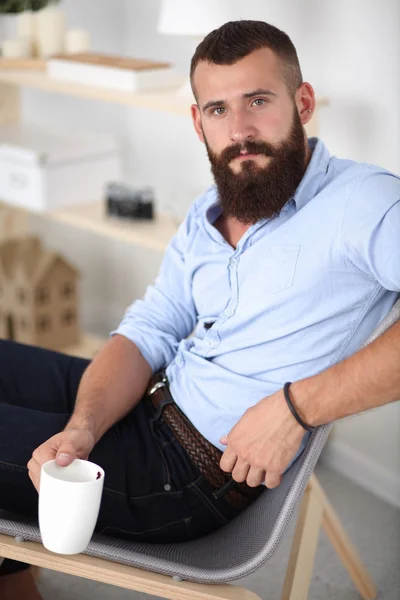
{"x":69,"y":504}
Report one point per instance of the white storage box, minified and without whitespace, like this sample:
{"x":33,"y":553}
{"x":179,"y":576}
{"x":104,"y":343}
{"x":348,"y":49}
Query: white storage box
{"x":46,"y":169}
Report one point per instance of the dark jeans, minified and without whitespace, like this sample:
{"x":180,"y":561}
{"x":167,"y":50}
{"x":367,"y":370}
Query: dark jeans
{"x":152,"y":491}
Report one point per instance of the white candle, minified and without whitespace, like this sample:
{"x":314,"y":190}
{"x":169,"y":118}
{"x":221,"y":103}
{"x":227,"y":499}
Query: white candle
{"x":25,"y":24}
{"x":18,"y":48}
{"x":26,"y":29}
{"x":76,"y":40}
{"x":50,"y":29}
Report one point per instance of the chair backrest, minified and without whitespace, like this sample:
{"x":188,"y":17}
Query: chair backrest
{"x":234,"y":551}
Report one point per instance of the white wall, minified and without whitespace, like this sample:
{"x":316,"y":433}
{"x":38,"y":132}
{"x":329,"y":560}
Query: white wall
{"x":349,"y":50}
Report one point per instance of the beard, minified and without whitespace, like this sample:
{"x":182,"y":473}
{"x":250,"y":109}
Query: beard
{"x":259,"y":192}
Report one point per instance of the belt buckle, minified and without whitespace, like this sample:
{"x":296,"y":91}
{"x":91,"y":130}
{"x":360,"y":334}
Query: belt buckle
{"x":158,"y":385}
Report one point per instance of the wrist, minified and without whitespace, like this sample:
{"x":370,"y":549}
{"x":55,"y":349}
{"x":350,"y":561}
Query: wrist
{"x":81,"y":421}
{"x":295,"y":413}
{"x":306,"y":403}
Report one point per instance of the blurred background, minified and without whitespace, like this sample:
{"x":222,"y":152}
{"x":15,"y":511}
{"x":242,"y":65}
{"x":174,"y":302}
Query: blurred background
{"x":349,"y":51}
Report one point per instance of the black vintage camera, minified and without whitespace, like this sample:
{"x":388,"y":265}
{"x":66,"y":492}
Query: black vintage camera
{"x":124,"y":201}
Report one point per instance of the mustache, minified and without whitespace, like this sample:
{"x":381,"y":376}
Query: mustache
{"x":251,"y":147}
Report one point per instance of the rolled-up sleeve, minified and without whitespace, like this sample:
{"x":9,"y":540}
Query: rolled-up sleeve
{"x":166,"y":315}
{"x":371,"y":229}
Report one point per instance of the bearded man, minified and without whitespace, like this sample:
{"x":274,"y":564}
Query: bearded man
{"x":280,"y":272}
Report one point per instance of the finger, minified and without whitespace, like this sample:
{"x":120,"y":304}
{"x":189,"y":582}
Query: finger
{"x":240,"y":471}
{"x":66,"y":454}
{"x":272,"y":480}
{"x":33,"y":466}
{"x":43,"y":454}
{"x":34,"y":472}
{"x":34,"y":480}
{"x":224,"y":440}
{"x":78,"y":444}
{"x":64,"y":458}
{"x":255,"y":477}
{"x":228,"y":460}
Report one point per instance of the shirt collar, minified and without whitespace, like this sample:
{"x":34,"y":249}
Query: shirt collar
{"x":314,"y":174}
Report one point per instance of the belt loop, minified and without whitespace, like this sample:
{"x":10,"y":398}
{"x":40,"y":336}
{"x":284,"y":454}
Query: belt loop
{"x":164,"y":402}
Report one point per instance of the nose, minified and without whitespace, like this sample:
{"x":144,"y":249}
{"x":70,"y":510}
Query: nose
{"x":242,"y":128}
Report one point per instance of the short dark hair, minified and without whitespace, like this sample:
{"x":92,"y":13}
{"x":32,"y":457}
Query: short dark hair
{"x":236,"y":39}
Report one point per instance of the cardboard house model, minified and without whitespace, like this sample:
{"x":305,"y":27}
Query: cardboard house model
{"x":13,"y":222}
{"x":38,"y":295}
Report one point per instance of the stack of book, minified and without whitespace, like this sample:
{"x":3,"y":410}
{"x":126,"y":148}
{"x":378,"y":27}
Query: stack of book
{"x":114,"y":72}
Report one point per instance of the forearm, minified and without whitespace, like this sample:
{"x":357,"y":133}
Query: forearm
{"x":367,"y":379}
{"x":111,"y":386}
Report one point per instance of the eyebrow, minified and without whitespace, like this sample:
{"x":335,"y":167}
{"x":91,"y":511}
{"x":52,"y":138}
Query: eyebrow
{"x":257,"y":92}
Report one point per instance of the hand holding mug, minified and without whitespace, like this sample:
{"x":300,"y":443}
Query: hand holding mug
{"x":64,"y":447}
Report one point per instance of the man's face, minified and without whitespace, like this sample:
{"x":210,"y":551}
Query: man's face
{"x":253,"y":134}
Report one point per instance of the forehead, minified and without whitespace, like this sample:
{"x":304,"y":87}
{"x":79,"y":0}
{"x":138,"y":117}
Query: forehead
{"x":259,"y":69}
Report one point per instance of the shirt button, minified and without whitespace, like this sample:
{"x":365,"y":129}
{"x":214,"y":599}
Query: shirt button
{"x":228,"y":312}
{"x":233,"y":261}
{"x":167,"y":487}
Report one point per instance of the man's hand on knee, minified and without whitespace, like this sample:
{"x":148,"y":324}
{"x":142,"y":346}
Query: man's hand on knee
{"x":64,"y":447}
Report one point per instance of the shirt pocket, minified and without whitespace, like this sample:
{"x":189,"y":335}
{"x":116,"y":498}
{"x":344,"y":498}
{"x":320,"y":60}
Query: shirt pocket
{"x":277,"y":268}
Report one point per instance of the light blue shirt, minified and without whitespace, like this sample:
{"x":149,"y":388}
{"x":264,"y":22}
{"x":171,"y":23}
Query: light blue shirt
{"x":301,"y":292}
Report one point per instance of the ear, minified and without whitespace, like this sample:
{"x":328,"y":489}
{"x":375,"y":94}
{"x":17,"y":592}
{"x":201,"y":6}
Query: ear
{"x":194,"y":109}
{"x":305,"y":102}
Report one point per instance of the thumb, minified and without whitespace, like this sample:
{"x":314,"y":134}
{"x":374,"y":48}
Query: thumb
{"x":224,"y":440}
{"x":65,"y":456}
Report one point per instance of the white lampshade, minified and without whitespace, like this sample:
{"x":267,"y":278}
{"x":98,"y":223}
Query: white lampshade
{"x":192,"y":17}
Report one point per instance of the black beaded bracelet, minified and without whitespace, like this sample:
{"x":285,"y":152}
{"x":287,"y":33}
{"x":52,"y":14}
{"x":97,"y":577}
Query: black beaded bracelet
{"x":292,"y":408}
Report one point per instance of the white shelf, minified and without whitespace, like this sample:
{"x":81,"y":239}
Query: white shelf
{"x":154,"y":234}
{"x":163,"y":99}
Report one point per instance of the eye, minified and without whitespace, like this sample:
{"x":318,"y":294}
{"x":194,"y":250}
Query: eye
{"x":218,"y":111}
{"x":259,"y":101}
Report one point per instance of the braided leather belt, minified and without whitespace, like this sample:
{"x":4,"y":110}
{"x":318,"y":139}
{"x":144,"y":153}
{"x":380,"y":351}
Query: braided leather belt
{"x":202,"y":453}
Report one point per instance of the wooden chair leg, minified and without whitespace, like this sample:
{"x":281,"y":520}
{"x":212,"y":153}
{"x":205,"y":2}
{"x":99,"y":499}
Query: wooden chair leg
{"x":316,"y":510}
{"x":35,"y":572}
{"x":345,"y":548}
{"x":301,"y":560}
